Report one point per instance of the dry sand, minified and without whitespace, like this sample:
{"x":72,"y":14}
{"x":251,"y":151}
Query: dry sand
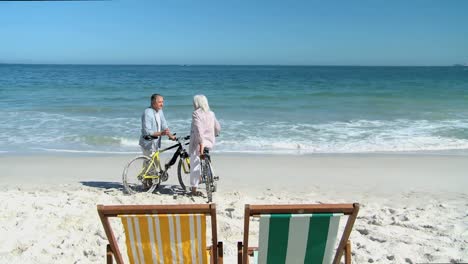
{"x":414,"y":208}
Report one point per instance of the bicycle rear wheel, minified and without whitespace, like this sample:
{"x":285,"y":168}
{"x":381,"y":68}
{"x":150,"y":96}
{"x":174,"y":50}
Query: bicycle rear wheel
{"x":214,"y":179}
{"x":207,"y":175}
{"x":183,"y":173}
{"x":132,"y":177}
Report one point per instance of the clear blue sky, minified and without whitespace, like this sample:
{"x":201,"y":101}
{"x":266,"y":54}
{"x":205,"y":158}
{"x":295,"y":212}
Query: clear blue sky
{"x":374,"y":32}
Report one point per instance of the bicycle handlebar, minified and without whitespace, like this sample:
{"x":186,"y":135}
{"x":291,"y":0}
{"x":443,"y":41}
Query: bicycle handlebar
{"x":149,"y":137}
{"x":183,"y":139}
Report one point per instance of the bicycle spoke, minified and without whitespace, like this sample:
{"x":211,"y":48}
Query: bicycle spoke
{"x":140,"y":175}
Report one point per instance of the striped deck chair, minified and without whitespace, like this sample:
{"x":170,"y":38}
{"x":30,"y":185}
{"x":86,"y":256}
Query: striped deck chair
{"x":163,"y":233}
{"x":301,"y":233}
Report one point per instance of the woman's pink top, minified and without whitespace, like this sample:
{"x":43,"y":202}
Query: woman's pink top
{"x":205,"y":127}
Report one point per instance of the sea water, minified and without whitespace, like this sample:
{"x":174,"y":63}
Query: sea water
{"x":262,"y":109}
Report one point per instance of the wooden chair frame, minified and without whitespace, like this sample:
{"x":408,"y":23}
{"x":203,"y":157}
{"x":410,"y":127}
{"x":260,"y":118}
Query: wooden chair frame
{"x":107,"y":211}
{"x":244,"y":251}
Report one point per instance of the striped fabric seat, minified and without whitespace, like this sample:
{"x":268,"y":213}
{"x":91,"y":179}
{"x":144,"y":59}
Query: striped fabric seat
{"x":297,"y":238}
{"x":166,"y":238}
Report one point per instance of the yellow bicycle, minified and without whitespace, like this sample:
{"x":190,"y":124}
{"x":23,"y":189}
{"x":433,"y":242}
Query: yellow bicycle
{"x":145,"y":174}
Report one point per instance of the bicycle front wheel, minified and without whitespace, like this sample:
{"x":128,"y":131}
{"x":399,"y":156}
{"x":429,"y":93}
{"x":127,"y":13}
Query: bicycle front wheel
{"x":139,"y":177}
{"x":183,"y":173}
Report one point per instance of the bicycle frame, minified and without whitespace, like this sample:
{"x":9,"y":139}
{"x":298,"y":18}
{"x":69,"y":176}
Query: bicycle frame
{"x":154,"y":159}
{"x":180,"y":152}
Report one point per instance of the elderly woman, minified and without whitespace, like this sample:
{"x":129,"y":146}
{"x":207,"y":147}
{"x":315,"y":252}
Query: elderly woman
{"x":202,"y":136}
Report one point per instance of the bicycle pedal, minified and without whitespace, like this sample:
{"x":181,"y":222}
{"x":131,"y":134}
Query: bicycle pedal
{"x":164,"y":176}
{"x":216,"y":178}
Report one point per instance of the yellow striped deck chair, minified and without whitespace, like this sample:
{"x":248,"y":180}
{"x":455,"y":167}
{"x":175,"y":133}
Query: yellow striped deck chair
{"x":163,"y":233}
{"x":298,"y":234}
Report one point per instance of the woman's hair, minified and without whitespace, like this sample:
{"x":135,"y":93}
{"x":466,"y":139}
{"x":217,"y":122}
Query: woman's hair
{"x":200,"y":101}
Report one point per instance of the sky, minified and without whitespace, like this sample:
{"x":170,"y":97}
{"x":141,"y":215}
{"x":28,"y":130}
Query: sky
{"x":229,"y":32}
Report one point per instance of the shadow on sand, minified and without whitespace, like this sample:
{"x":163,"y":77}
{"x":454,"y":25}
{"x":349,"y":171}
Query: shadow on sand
{"x":103,"y":185}
{"x":170,"y":190}
{"x":163,"y":189}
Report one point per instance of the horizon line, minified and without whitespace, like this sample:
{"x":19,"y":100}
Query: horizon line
{"x":189,"y":65}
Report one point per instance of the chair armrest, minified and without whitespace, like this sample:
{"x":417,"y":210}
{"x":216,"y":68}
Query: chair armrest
{"x":220,"y":252}
{"x":109,"y":254}
{"x":239,"y":252}
{"x":251,"y":250}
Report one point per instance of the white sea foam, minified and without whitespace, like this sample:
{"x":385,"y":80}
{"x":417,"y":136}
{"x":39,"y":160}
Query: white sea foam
{"x":129,"y":142}
{"x":87,"y":151}
{"x":56,"y":132}
{"x":352,"y":137}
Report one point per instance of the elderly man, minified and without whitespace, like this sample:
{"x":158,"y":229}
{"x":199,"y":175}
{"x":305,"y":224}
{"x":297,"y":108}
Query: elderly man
{"x":153,"y":124}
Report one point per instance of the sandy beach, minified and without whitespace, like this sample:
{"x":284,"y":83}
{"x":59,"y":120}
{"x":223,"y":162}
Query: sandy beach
{"x":413,"y":207}
{"x":317,"y":102}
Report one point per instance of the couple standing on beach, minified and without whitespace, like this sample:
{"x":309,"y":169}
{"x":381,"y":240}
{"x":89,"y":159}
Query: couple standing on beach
{"x":204,"y":128}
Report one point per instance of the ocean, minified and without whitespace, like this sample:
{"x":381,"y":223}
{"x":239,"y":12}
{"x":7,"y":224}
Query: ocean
{"x":262,"y":109}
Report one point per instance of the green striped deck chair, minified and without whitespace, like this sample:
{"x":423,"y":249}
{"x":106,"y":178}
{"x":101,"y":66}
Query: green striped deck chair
{"x":298,"y":233}
{"x":163,"y":233}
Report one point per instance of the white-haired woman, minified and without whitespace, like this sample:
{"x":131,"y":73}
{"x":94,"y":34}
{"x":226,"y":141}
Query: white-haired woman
{"x":205,"y":127}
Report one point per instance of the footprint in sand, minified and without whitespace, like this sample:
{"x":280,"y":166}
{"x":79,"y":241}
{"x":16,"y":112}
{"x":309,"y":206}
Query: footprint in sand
{"x":380,"y":240}
{"x":229,"y":212}
{"x":363,"y":231}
